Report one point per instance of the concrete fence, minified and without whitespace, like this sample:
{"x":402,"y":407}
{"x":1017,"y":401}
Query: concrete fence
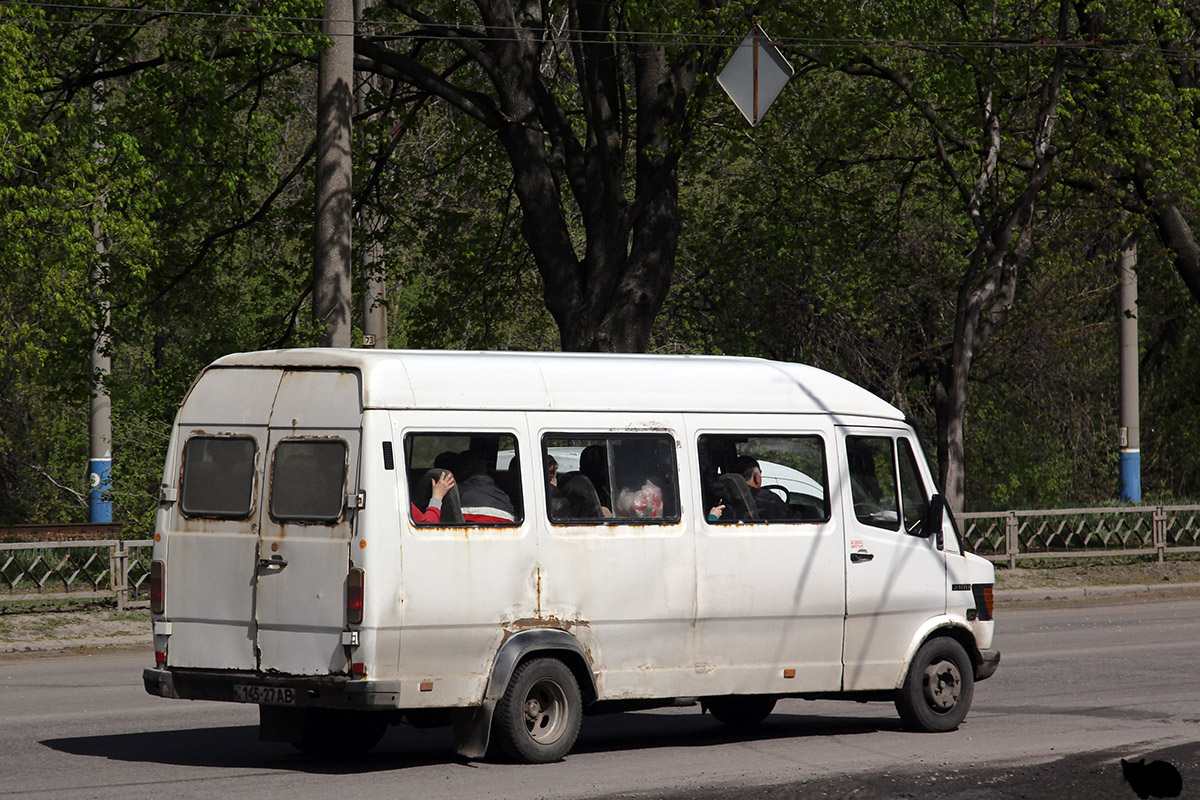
{"x":1012,"y":536}
{"x":120,"y":569}
{"x":76,"y":570}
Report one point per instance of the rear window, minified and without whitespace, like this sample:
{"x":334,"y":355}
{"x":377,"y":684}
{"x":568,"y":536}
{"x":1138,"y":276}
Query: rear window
{"x":308,"y":480}
{"x":218,"y":477}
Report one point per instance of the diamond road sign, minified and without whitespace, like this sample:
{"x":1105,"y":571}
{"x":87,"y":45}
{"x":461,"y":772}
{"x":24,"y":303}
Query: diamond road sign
{"x":755,"y":75}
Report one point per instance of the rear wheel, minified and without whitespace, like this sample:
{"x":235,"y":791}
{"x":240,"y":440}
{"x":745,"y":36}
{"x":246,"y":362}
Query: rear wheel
{"x":338,"y":733}
{"x":538,"y":718}
{"x":740,"y":711}
{"x":938,"y":689}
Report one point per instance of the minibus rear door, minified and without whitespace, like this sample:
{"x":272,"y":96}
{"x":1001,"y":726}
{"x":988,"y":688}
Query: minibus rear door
{"x":306,"y":525}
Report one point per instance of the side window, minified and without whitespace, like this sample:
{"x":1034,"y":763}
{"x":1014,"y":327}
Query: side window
{"x":610,"y":478}
{"x":218,"y":477}
{"x":916,"y":504}
{"x":486,"y":485}
{"x":308,"y":480}
{"x":872,"y":463}
{"x":770,"y":478}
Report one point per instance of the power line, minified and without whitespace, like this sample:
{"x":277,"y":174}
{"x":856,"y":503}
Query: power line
{"x":1123,"y":47}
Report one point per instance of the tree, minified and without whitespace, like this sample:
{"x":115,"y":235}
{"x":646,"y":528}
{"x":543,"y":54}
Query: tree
{"x":593,"y":114}
{"x":198,"y":166}
{"x":973,"y":101}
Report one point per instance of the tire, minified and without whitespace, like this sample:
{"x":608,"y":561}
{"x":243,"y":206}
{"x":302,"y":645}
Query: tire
{"x":740,"y":711}
{"x":337,"y":733}
{"x":537,"y":720}
{"x":938,"y":688}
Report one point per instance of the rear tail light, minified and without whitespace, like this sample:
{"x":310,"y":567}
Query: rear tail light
{"x":354,"y":596}
{"x":157,"y":587}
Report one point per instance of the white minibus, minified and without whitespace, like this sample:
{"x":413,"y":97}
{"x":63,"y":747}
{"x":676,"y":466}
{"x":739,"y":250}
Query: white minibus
{"x":623,"y":532}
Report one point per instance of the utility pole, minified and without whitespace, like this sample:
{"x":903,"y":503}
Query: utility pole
{"x":100,"y":412}
{"x":375,"y":330}
{"x":1129,"y":438}
{"x":335,"y":105}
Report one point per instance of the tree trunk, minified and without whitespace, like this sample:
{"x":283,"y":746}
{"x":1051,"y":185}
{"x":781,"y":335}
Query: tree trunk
{"x":1174,"y":231}
{"x":604,"y":293}
{"x":988,"y":288}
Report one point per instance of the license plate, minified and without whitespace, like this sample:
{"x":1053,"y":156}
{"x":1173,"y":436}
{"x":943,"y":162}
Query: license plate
{"x":269,"y":695}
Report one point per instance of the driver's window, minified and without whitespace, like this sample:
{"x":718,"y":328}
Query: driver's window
{"x":916,"y":504}
{"x":872,"y":464}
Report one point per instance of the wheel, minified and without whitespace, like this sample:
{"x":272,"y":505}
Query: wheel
{"x":338,"y":733}
{"x":938,"y":688}
{"x":538,"y":718}
{"x":740,"y":711}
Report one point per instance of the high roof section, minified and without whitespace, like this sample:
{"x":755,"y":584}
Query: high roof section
{"x":581,"y":381}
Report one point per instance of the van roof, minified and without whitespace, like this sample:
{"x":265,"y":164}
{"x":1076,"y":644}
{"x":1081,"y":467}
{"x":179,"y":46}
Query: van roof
{"x":455,"y":379}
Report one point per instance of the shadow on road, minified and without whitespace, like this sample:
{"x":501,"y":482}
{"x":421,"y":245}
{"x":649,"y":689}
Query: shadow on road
{"x":646,"y":730}
{"x":405,"y":747}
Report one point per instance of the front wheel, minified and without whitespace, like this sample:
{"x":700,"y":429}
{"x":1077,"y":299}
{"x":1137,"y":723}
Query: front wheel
{"x":538,"y":718}
{"x":938,"y":688}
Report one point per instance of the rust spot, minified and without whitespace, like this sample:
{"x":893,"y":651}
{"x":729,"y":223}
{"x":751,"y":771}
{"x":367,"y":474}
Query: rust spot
{"x":530,"y":623}
{"x":539,"y":622}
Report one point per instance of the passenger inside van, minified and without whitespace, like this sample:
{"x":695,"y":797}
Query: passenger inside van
{"x":581,"y":500}
{"x":769,"y":505}
{"x":435,"y":498}
{"x":593,"y":463}
{"x":483,"y":501}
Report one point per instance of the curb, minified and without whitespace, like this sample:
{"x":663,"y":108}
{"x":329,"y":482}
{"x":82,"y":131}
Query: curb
{"x":39,"y":646}
{"x":1043,"y":594}
{"x":1052,"y":594}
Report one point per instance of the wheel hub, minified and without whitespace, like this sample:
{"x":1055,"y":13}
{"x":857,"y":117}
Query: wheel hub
{"x":943,"y":682}
{"x":545,"y":711}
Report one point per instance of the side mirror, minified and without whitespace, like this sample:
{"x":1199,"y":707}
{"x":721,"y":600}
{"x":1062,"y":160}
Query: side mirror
{"x":935,"y":519}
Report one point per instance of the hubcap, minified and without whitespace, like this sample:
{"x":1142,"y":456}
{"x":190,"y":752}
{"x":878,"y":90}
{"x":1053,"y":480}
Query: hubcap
{"x":545,"y":711}
{"x":942,"y":685}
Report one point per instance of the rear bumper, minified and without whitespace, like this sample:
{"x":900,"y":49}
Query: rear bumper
{"x":326,"y":691}
{"x":988,"y":661}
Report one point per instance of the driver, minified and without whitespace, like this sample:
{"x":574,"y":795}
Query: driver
{"x":770,"y":505}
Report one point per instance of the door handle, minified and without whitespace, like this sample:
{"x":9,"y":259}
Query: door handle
{"x":860,"y":557}
{"x":274,"y":561}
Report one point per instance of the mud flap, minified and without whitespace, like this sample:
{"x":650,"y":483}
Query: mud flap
{"x":473,"y":729}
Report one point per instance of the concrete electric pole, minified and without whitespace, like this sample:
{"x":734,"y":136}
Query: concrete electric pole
{"x":335,"y":105}
{"x":1129,"y":439}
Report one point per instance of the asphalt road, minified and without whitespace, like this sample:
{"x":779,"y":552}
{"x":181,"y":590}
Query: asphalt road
{"x":1078,"y":688}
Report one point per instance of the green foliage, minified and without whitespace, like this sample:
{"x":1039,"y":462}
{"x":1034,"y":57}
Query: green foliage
{"x":831,"y":233}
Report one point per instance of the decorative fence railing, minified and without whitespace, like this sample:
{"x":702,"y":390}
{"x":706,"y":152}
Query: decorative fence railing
{"x":113,"y":568}
{"x":73,"y":570}
{"x":1010,"y":536}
